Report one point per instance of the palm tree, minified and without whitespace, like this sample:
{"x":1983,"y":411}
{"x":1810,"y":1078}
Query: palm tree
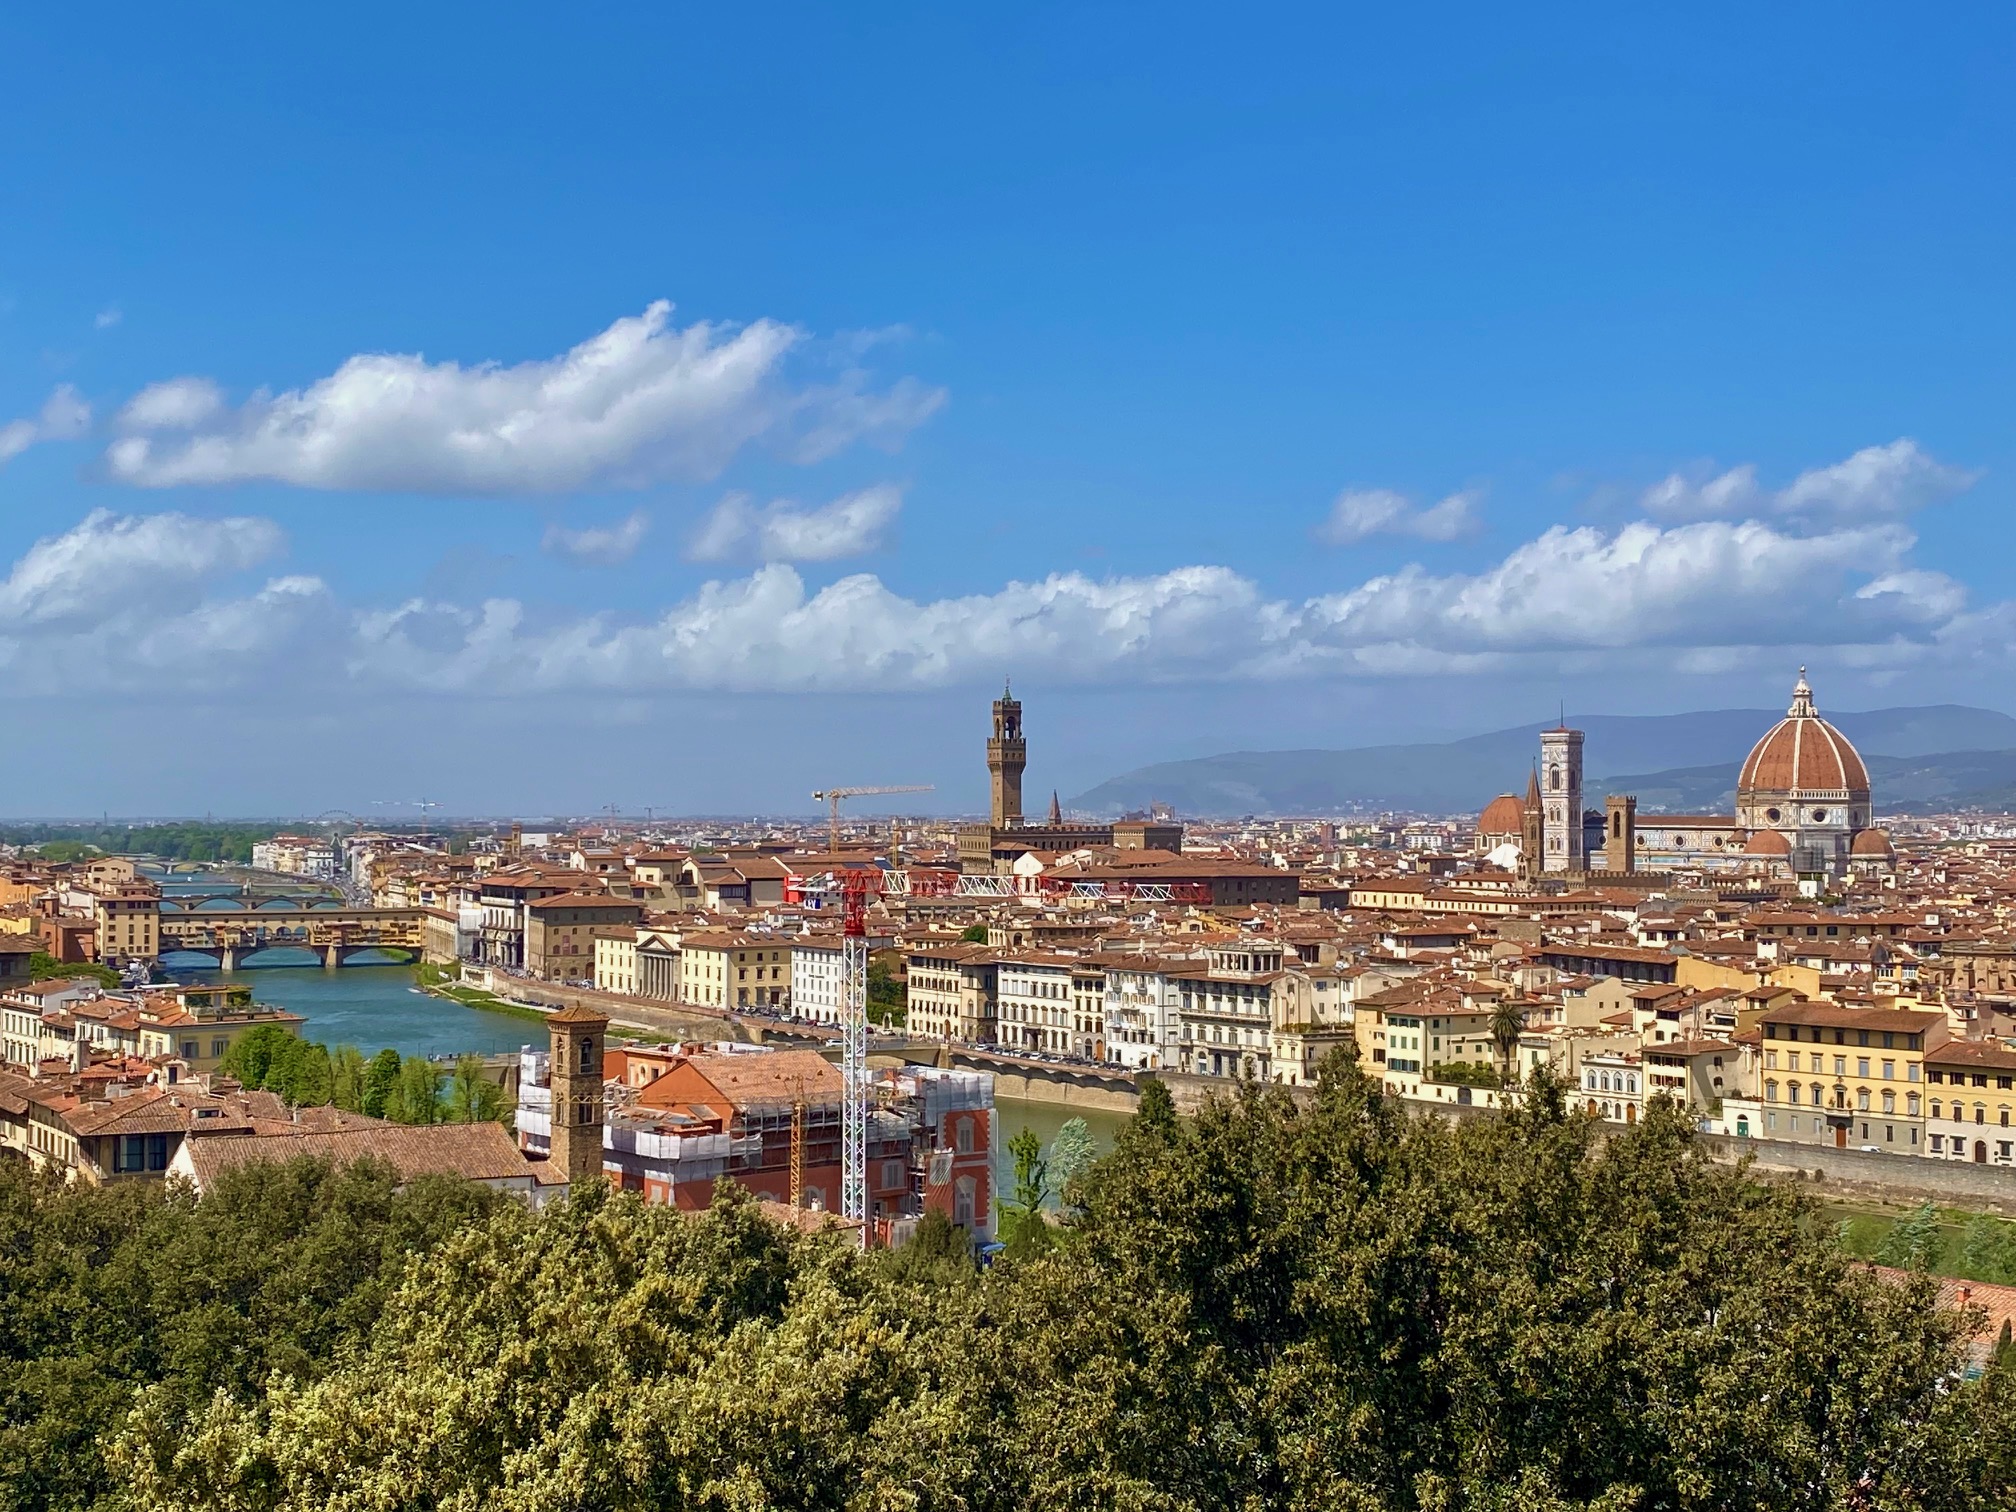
{"x":1508,"y":1022}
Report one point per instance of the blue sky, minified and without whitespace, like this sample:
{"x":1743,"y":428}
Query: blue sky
{"x":381,"y":392}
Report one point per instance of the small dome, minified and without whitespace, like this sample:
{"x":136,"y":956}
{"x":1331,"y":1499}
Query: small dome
{"x":1873,"y":842}
{"x":1503,"y":815}
{"x":1768,"y":843}
{"x":1802,"y":754}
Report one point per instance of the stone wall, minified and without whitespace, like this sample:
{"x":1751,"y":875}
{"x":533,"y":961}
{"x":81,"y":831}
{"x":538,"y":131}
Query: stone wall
{"x":1855,"y":1173}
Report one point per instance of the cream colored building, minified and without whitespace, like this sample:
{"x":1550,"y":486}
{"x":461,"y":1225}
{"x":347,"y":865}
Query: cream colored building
{"x":128,"y":916}
{"x":722,"y":968}
{"x":616,"y":959}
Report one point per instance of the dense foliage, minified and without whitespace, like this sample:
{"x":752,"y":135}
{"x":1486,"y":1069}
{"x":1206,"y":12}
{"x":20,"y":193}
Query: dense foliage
{"x":112,"y":1296}
{"x":183,"y":841}
{"x":44,"y":967}
{"x":1331,"y":1307}
{"x":408,"y":1089}
{"x":886,"y":997}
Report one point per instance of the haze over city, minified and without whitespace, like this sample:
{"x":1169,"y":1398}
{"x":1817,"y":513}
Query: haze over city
{"x":689,"y":412}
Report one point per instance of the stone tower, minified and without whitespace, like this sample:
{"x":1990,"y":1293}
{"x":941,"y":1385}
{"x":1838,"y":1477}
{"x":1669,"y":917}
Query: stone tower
{"x":1561,"y":799}
{"x":1620,"y":834}
{"x":1007,"y":755}
{"x":576,"y":1079}
{"x":1532,"y":830}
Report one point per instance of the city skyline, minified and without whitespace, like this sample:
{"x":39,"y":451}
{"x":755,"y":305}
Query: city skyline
{"x":664,"y":446}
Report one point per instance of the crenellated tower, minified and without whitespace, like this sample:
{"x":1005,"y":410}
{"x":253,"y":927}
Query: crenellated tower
{"x":1007,"y":755}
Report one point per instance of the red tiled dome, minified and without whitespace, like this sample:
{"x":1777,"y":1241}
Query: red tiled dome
{"x":1873,"y":842}
{"x":1768,"y":843}
{"x":1803,"y":753}
{"x":1503,"y":815}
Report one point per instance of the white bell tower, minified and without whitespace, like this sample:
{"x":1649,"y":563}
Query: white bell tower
{"x":1561,"y":800}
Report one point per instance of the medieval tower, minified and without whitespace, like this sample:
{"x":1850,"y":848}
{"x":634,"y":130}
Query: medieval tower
{"x":1620,"y":834}
{"x":1007,"y":755}
{"x":576,"y":1081}
{"x":1561,"y":800}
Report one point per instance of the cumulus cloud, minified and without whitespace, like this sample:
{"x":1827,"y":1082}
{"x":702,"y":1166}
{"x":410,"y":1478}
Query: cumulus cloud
{"x":125,"y":603}
{"x":64,"y":416}
{"x":598,"y":545}
{"x":1643,"y":597}
{"x":1360,"y":512}
{"x":151,"y":593}
{"x":642,"y":401}
{"x":107,"y":318}
{"x":129,"y":562}
{"x":785,"y":532}
{"x":1877,"y":482}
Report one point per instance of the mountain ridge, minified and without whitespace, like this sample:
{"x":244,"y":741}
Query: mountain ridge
{"x":1953,"y":750}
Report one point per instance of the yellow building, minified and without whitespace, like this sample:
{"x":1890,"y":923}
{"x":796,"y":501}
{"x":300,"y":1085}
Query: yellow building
{"x":1847,"y":1076}
{"x":723,"y":968}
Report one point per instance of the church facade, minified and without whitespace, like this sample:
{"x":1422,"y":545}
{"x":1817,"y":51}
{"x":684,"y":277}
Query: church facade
{"x":1803,"y":808}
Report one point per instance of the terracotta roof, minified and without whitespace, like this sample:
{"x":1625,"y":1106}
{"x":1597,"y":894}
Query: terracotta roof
{"x":476,"y":1151}
{"x":1833,"y":1016}
{"x":1503,"y":815}
{"x":1803,"y":753}
{"x":578,"y":1012}
{"x":1983,"y":1055}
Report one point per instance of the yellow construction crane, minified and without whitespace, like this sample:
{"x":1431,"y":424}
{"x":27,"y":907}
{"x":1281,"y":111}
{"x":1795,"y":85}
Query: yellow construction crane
{"x":832,"y":797}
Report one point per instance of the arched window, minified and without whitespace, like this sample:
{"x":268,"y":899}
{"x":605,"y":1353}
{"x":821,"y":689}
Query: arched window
{"x":1816,"y":1094}
{"x":1980,"y":1113}
{"x":1792,"y":1093}
{"x":1770,"y":1091}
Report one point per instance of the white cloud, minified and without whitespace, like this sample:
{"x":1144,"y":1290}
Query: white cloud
{"x":784,"y":532}
{"x":1877,"y":482}
{"x":642,"y":401}
{"x":64,"y":416}
{"x":124,"y":600}
{"x":1643,"y":598}
{"x":120,"y":563}
{"x":1712,"y":583}
{"x":130,"y":604}
{"x":598,"y":545}
{"x":1358,"y":513}
{"x":107,"y":318}
{"x":178,"y":404}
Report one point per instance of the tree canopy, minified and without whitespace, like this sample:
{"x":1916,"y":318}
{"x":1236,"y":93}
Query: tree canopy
{"x":1322,"y":1307}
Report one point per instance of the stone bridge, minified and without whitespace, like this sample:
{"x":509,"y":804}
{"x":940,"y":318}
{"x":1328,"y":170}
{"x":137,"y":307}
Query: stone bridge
{"x":230,"y":935}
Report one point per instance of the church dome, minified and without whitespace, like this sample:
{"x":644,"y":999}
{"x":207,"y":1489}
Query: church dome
{"x":1873,"y":842}
{"x":1503,"y":815}
{"x":1768,"y":843}
{"x":1803,"y":755}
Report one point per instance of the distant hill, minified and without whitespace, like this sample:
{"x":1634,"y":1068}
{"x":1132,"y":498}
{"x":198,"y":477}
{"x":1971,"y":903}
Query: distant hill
{"x":1934,"y":753}
{"x":1904,"y":784}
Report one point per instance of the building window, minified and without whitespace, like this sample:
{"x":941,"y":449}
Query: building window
{"x":962,"y":1136}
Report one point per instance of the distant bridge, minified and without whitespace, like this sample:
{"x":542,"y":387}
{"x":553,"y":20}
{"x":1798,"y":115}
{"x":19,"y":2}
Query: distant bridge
{"x":244,"y":898}
{"x":230,"y":935}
